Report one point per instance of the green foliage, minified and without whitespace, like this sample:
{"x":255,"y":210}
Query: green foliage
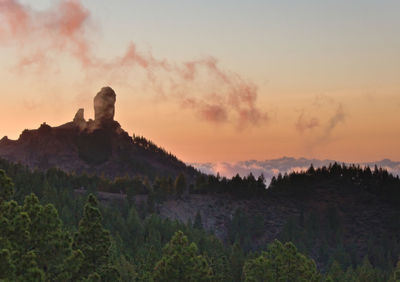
{"x":126,"y":269}
{"x":35,"y":245}
{"x":281,"y":262}
{"x":396,"y":273}
{"x":244,"y":228}
{"x":28,"y":269}
{"x":378,"y":182}
{"x":197,"y":221}
{"x":180,"y":262}
{"x":32,"y":241}
{"x":237,"y":259}
{"x":365,"y":272}
{"x":180,"y":184}
{"x":7,"y":268}
{"x":6,"y":187}
{"x":93,"y":240}
{"x":321,"y":235}
{"x":335,"y":273}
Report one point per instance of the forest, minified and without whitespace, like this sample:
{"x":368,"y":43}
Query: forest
{"x":49,"y":232}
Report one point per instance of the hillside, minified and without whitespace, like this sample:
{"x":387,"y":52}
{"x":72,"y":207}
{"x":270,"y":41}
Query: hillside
{"x":328,"y":217}
{"x":98,"y":146}
{"x":336,"y":213}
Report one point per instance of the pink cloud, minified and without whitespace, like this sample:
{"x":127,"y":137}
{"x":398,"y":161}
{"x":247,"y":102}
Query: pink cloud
{"x":64,"y":29}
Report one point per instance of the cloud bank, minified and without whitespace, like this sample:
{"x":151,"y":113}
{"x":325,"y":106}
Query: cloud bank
{"x":271,"y":168}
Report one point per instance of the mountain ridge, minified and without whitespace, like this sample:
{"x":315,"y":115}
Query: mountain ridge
{"x":98,"y":146}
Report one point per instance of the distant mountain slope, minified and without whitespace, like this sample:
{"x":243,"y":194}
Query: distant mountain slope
{"x":98,"y":146}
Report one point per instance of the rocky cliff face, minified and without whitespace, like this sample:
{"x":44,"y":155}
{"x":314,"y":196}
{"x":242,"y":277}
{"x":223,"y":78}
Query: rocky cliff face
{"x":98,"y":146}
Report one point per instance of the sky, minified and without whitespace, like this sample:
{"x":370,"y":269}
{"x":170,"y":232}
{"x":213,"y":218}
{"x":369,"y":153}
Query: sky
{"x":212,"y":81}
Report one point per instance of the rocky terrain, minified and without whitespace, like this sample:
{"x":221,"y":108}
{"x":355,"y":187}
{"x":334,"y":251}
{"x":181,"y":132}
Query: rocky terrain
{"x":98,"y":146}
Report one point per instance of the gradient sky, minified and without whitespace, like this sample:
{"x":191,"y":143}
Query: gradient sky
{"x":212,"y":80}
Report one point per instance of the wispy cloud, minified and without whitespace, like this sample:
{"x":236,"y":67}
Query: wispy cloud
{"x":303,"y":123}
{"x":338,"y":117}
{"x":319,"y":119}
{"x":65,"y":28}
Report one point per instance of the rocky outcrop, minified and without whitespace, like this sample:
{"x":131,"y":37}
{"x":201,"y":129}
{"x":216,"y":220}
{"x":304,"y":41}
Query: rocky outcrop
{"x":104,"y":106}
{"x":97,"y":146}
{"x":79,"y":119}
{"x":79,"y":116}
{"x":5,"y":141}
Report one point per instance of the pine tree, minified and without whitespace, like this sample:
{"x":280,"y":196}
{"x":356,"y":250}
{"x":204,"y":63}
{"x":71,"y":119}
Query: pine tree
{"x":396,"y":273}
{"x":32,"y":243}
{"x":336,"y":272}
{"x":282,"y":262}
{"x":93,"y":240}
{"x":134,"y":229}
{"x":29,"y":270}
{"x":180,"y":262}
{"x":46,"y":237}
{"x":365,"y":271}
{"x":6,"y":187}
{"x":7,"y":268}
{"x":237,"y":261}
{"x":126,"y":269}
{"x":180,"y":184}
{"x":197,"y":221}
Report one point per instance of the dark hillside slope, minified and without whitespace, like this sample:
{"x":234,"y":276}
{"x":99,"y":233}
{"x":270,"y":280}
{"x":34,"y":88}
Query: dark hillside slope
{"x":328,"y":222}
{"x":336,"y":212}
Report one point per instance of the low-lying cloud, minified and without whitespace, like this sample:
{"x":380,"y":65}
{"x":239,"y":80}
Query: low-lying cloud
{"x":65,"y":28}
{"x":270,"y":168}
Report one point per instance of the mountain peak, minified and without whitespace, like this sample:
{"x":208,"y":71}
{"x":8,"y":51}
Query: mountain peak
{"x":98,"y":146}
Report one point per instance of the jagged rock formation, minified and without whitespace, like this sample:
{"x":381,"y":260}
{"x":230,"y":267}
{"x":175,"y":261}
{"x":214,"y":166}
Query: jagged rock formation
{"x":79,"y":119}
{"x":104,"y":106}
{"x":79,"y":116}
{"x":98,"y":146}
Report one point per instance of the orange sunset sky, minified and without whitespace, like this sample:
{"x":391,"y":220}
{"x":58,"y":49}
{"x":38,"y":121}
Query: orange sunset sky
{"x":225,"y":81}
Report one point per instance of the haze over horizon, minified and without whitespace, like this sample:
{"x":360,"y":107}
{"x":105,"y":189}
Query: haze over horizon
{"x":220,"y":82}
